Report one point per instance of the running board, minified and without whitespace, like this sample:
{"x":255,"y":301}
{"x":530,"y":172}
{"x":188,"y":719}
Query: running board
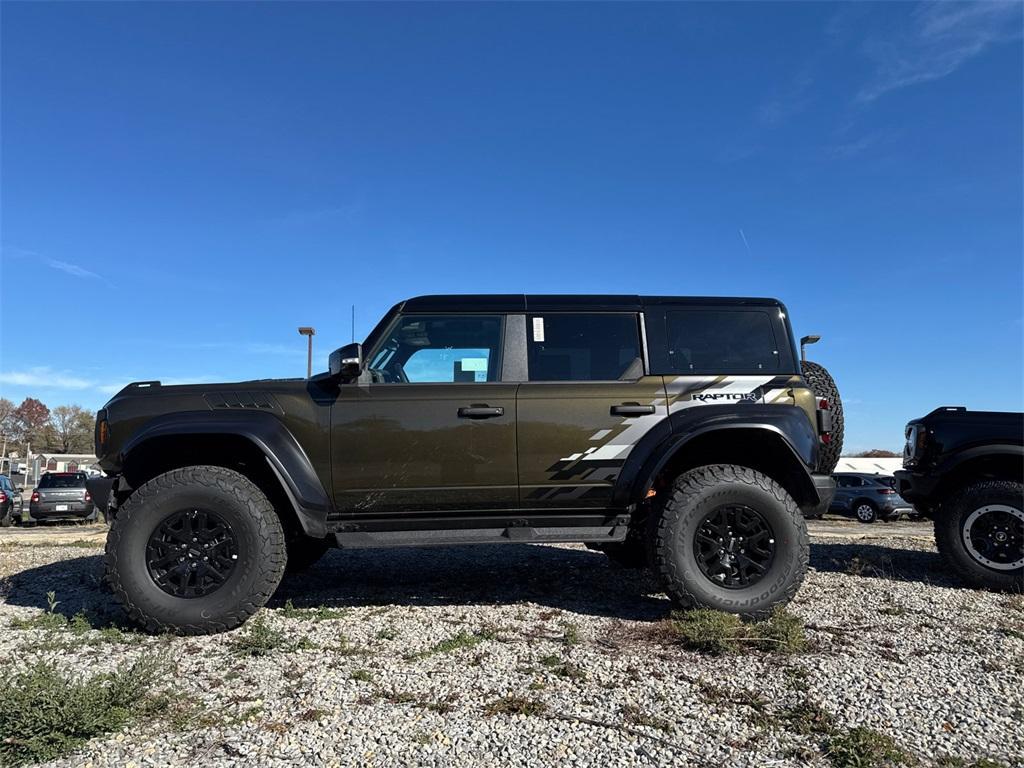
{"x":604,"y":534}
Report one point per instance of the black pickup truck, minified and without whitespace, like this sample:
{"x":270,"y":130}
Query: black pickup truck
{"x":963,"y":469}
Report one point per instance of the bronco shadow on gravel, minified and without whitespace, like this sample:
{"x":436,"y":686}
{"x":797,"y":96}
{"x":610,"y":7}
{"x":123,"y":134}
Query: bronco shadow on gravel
{"x":684,"y":434}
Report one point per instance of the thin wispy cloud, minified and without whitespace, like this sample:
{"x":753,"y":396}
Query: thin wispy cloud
{"x":746,"y":245}
{"x":72,"y":269}
{"x":941,"y":38}
{"x":857,"y":146}
{"x":45,"y":377}
{"x":67,"y":267}
{"x":788,"y":102}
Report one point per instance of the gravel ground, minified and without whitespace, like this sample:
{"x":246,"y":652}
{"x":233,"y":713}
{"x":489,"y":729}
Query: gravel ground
{"x":896,"y":645}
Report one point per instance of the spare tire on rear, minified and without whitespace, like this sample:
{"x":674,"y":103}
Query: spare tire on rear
{"x":824,"y":386}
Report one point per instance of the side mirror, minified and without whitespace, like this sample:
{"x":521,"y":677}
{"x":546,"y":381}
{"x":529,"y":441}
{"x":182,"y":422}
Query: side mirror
{"x":347,"y":361}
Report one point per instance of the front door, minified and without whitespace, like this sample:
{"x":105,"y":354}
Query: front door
{"x":430,"y":427}
{"x":586,"y":405}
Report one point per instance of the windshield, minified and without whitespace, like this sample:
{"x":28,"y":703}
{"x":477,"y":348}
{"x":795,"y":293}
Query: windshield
{"x":63,"y":480}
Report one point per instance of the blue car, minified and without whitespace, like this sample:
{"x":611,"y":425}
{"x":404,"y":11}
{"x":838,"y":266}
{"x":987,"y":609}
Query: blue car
{"x":868,"y":497}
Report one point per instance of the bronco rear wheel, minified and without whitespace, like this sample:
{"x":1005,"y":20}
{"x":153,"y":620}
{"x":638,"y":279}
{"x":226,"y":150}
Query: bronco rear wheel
{"x":194,"y":551}
{"x":980,"y":533}
{"x":731,"y":539}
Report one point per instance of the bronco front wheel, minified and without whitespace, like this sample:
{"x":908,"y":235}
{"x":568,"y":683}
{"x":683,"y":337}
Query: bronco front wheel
{"x":195,"y":551}
{"x":731,"y":539}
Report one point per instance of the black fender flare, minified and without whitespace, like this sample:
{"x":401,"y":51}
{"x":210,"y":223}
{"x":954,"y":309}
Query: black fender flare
{"x":953,"y":461}
{"x":283,"y":453}
{"x":787,"y":424}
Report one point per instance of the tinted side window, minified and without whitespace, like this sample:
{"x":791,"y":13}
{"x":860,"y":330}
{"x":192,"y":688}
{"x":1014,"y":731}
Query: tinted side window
{"x":721,"y":341}
{"x":583,"y":347}
{"x":434,"y":348}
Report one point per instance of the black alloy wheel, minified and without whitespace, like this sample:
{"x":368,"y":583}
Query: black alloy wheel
{"x":734,"y":546}
{"x":192,"y":553}
{"x":994,"y":536}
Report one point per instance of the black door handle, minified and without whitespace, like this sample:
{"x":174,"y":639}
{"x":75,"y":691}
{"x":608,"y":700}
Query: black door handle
{"x":632,"y":409}
{"x":480,"y":412}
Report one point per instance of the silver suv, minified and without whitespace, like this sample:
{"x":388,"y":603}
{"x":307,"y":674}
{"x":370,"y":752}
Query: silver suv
{"x":60,"y":496}
{"x":868,"y":497}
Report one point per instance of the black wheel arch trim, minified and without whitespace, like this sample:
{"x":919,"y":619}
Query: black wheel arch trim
{"x":284,"y":454}
{"x":952,"y":461}
{"x":927,"y":484}
{"x":789,"y":424}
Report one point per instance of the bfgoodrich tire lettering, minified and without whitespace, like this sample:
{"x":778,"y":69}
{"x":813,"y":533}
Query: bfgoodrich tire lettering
{"x":693,"y":496}
{"x":254,"y":525}
{"x":951,"y":520}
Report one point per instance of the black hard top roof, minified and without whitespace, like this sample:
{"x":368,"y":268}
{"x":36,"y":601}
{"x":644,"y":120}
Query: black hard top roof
{"x":554,"y":303}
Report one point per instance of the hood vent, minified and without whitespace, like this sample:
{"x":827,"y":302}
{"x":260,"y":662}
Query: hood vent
{"x":253,"y":400}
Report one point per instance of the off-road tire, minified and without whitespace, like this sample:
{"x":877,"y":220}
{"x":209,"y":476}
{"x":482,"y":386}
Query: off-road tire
{"x":949,"y":522}
{"x":697,"y":492}
{"x":824,"y":386}
{"x":252,"y":521}
{"x":304,"y":552}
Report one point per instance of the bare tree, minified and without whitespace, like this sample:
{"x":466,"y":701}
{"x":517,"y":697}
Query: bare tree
{"x":71,"y":428}
{"x":877,"y":453}
{"x":6,"y":424}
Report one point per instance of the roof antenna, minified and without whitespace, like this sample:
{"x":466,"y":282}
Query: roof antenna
{"x":353,"y":323}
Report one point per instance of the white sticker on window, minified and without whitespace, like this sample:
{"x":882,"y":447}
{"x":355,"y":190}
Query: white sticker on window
{"x":538,"y":329}
{"x":474,"y":363}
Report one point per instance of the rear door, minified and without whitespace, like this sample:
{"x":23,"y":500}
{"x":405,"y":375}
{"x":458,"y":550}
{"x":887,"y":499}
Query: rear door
{"x":586,"y":403}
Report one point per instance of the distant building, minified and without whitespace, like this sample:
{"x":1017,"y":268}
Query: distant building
{"x":63,"y":462}
{"x":869,"y":466}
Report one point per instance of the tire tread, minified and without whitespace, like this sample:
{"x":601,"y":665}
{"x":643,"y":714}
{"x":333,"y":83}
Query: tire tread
{"x":823,"y":385}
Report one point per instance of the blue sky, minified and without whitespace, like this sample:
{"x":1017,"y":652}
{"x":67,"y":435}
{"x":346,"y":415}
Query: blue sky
{"x":185,"y":184}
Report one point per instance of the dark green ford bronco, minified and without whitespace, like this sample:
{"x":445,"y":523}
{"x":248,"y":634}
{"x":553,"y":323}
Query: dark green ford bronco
{"x":680,"y":433}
